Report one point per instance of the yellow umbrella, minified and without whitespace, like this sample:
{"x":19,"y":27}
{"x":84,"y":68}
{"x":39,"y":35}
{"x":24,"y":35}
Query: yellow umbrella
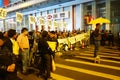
{"x":100,"y":20}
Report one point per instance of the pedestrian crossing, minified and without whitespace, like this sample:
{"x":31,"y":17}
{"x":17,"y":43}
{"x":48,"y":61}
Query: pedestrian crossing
{"x":60,"y":77}
{"x":99,"y":65}
{"x":82,"y":67}
{"x":109,"y":72}
{"x":103,"y":56}
{"x":109,"y":76}
{"x":92,"y":59}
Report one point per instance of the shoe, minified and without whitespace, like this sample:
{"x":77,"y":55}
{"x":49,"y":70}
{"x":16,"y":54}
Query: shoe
{"x":97,"y":59}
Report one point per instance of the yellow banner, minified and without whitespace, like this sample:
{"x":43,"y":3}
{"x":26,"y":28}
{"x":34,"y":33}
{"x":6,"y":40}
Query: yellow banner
{"x":52,"y":45}
{"x":32,"y":19}
{"x":19,"y":17}
{"x":3,"y":13}
{"x":64,"y":41}
{"x":72,"y":40}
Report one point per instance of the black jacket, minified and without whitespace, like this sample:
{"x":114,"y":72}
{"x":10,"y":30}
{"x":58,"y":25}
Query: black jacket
{"x":6,"y":58}
{"x":9,"y":44}
{"x":43,"y":46}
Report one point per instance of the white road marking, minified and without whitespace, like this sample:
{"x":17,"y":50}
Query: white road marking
{"x":93,"y":64}
{"x":100,"y":55}
{"x":109,"y":76}
{"x":100,"y":59}
{"x":60,"y":77}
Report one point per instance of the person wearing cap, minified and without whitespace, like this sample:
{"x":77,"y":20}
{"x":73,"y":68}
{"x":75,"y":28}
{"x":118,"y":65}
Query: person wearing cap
{"x":7,"y":62}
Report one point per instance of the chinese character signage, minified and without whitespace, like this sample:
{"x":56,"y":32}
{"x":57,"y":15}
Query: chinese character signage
{"x":32,"y":19}
{"x":55,"y":16}
{"x":3,"y":13}
{"x":42,"y":21}
{"x":19,"y":17}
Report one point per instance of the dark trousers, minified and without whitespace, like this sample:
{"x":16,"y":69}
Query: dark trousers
{"x":45,"y":65}
{"x":97,"y":44}
{"x":9,"y":76}
{"x":102,"y":42}
{"x":119,"y":42}
{"x":110,"y":41}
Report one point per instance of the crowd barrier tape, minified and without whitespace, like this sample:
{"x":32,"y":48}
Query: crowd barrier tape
{"x":74,"y":39}
{"x":69,"y":40}
{"x":63,"y":41}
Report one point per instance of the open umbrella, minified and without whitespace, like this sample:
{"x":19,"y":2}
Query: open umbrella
{"x":100,"y":20}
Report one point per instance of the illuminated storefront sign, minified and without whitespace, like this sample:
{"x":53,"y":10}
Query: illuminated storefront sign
{"x":58,"y":15}
{"x":6,"y":2}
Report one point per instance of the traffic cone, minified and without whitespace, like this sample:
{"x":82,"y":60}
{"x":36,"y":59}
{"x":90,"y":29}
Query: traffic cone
{"x":83,"y":45}
{"x":71,"y":47}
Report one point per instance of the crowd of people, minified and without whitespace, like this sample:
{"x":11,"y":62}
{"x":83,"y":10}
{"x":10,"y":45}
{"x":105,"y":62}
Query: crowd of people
{"x":107,"y":38}
{"x":24,"y":45}
{"x":8,"y":68}
{"x":14,"y":46}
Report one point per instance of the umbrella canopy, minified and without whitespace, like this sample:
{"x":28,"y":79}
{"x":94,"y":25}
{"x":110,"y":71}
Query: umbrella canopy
{"x":100,"y":20}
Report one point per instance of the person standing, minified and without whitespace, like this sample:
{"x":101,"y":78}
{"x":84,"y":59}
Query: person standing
{"x":23,"y":43}
{"x":110,"y":38}
{"x":14,"y":46}
{"x":13,"y":35}
{"x":119,"y":39}
{"x":53,"y":38}
{"x":97,"y":38}
{"x":7,"y":62}
{"x":45,"y":52}
{"x":8,"y":42}
{"x":102,"y":38}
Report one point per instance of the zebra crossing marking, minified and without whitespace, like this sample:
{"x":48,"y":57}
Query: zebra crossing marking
{"x":100,"y":56}
{"x":60,"y":77}
{"x":88,"y":63}
{"x":109,"y":76}
{"x":100,"y":60}
{"x":105,"y":51}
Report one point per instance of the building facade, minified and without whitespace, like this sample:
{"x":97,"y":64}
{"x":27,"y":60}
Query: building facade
{"x":70,"y":14}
